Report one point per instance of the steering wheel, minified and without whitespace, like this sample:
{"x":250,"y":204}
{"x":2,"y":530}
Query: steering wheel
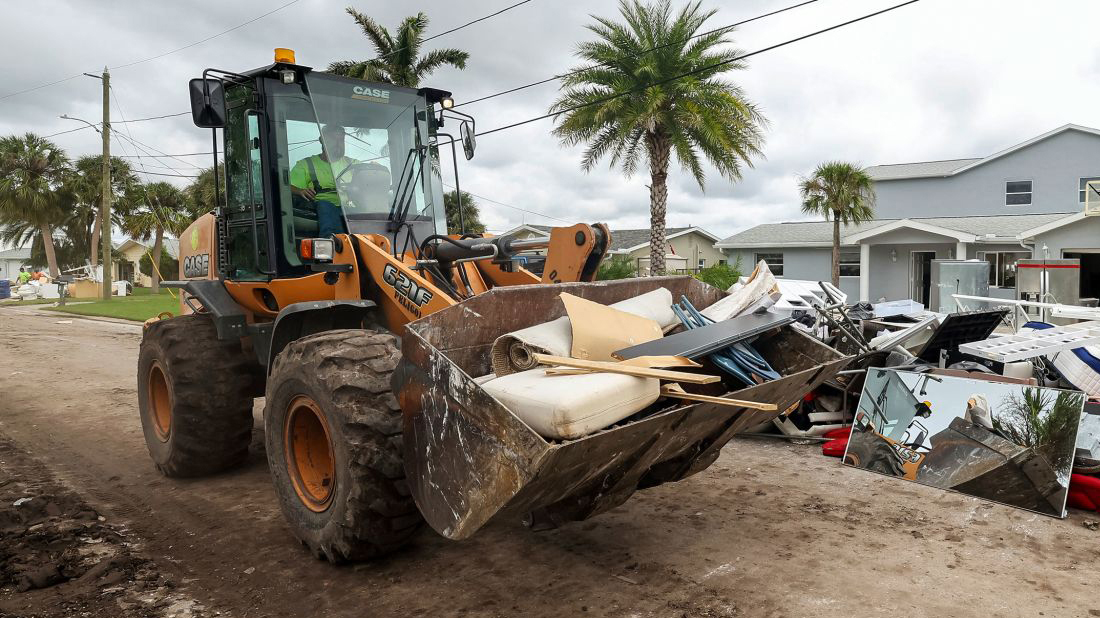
{"x":363,"y":178}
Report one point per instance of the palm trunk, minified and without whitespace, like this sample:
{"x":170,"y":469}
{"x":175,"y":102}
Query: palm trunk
{"x":47,"y":246}
{"x":95,"y":241}
{"x":659,"y":150}
{"x":156,"y":260}
{"x":836,"y":250}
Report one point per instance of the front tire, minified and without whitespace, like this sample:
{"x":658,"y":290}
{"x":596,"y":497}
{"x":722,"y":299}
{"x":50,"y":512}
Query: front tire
{"x":334,"y":445}
{"x":193,"y":397}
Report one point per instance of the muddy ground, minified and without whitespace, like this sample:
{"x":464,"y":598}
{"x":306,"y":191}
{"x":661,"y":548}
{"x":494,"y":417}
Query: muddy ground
{"x":770,"y":530}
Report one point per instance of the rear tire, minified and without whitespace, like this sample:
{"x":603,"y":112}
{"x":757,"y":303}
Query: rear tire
{"x":334,"y":445}
{"x":196,"y":411}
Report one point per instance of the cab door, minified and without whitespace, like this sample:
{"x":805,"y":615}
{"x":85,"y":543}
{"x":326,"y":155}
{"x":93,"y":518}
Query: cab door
{"x":248,"y":219}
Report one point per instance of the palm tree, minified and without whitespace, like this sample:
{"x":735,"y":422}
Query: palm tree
{"x":201,"y":194}
{"x":87,"y":186}
{"x":32,"y":191}
{"x":398,"y":61}
{"x":842,"y":192}
{"x":630,"y":100}
{"x":164,"y":210}
{"x":469,"y":217}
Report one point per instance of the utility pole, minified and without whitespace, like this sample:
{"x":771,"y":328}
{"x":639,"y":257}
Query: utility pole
{"x":105,"y":204}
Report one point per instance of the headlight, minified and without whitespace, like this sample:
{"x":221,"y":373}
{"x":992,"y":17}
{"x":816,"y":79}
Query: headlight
{"x":320,"y":249}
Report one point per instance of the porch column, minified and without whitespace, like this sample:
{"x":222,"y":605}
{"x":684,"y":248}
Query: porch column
{"x":864,"y":272}
{"x":960,"y":251}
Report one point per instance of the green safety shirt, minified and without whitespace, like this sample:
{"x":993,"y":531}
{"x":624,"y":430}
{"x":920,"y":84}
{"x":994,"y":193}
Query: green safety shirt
{"x":24,"y":277}
{"x":301,"y":178}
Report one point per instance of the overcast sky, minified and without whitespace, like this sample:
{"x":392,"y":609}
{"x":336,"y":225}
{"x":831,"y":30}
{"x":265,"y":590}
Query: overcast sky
{"x":939,"y":79}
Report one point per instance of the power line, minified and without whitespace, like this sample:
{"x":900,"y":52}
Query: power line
{"x":455,"y":29}
{"x":97,"y":124}
{"x":644,"y":51}
{"x":179,"y":154}
{"x":695,"y":71}
{"x":168,"y":53}
{"x":492,"y":201}
{"x":162,"y":154}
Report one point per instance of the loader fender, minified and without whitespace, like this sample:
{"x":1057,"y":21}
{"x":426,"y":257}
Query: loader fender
{"x":309,"y":318}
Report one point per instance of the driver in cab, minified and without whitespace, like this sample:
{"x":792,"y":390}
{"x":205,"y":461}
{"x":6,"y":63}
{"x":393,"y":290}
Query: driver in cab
{"x":314,"y":179}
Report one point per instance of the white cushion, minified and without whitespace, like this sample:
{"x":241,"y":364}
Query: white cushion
{"x":565,"y":407}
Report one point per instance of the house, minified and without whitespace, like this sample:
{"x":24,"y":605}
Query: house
{"x":11,"y":260}
{"x":127,"y":261}
{"x":1022,"y":202}
{"x":690,"y":248}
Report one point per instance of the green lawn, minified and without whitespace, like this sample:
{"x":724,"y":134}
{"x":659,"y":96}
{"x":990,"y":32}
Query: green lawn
{"x":139,"y":307}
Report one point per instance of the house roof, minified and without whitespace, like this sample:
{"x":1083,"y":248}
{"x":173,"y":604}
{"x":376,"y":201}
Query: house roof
{"x":627,"y":241}
{"x":952,"y":167}
{"x":993,"y":228}
{"x":170,"y":245}
{"x":622,"y":241}
{"x":16,"y":254}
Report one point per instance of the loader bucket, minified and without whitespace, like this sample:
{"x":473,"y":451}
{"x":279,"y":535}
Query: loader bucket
{"x":468,"y":458}
{"x":975,"y":461}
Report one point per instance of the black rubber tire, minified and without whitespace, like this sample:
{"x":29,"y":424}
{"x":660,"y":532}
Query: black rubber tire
{"x":208,"y":382}
{"x":347,"y":374}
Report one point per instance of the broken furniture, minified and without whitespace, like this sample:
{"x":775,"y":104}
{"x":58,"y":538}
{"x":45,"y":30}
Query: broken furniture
{"x":505,"y":466}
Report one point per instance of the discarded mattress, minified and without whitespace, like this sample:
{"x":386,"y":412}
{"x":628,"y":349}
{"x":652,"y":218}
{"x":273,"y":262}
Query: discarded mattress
{"x":512,"y":352}
{"x":565,"y":407}
{"x":1081,"y":368}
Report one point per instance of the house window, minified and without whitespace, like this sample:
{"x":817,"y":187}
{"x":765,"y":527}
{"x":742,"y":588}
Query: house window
{"x":849,"y":263}
{"x":1017,"y":192}
{"x":702,"y":262}
{"x":774,"y":260}
{"x":1002,"y":266}
{"x":1084,"y":185}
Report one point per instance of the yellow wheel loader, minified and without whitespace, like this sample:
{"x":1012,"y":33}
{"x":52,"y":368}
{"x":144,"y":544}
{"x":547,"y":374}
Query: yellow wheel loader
{"x":330,"y":243}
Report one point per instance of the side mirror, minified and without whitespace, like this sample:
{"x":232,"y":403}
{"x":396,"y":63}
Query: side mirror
{"x":208,"y":112}
{"x":469,"y":141}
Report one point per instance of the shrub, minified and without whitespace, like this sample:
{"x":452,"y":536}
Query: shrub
{"x":721,"y":276}
{"x":618,"y":267}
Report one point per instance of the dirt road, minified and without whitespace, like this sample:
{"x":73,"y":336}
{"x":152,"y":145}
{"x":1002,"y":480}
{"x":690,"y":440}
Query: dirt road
{"x":770,"y":530}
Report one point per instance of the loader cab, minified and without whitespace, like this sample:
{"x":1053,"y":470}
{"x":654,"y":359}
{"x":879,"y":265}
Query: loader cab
{"x":278,"y":122}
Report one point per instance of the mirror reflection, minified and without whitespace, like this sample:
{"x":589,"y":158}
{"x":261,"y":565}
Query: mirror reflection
{"x":1011,"y":443}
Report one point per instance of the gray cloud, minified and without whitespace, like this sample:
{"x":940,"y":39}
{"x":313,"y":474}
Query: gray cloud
{"x":931,"y":81}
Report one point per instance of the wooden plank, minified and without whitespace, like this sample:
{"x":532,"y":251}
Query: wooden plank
{"x":641,"y":372}
{"x":661,"y":362}
{"x":674,"y":391}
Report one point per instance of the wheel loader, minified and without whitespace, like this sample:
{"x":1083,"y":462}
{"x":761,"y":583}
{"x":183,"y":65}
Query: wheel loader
{"x":330,"y":244}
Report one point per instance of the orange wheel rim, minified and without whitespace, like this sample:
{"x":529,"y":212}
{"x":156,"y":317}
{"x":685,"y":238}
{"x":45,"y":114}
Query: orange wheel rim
{"x":160,"y":400}
{"x":309,"y":457}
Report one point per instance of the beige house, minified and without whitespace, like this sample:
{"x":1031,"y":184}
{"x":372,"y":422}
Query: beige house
{"x":690,"y":248}
{"x":128,"y":258}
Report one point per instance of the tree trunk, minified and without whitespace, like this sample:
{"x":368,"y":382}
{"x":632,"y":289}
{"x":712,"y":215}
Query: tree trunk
{"x":836,"y":250}
{"x":659,"y":150}
{"x":47,"y":246}
{"x":156,"y":260}
{"x":95,"y":241}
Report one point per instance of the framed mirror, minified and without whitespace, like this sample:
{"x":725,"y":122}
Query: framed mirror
{"x":1007,"y":442}
{"x":208,"y":115}
{"x":469,"y":140}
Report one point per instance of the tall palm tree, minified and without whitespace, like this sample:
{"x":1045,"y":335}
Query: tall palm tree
{"x":32,"y":191}
{"x":163,"y":210}
{"x":86,"y":182}
{"x":628,"y":101}
{"x":398,"y":61}
{"x":841,"y":192}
